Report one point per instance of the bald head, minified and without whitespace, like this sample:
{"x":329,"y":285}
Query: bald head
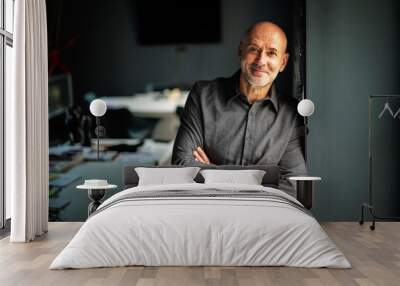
{"x":263,"y":30}
{"x":262,"y":54}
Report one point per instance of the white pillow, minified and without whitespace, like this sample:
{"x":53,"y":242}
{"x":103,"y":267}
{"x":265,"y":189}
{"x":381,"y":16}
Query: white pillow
{"x":248,"y":177}
{"x":162,"y":176}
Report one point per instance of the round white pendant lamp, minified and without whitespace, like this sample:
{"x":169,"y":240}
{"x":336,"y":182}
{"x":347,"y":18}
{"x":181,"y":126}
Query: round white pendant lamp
{"x":305,"y":107}
{"x":98,"y":107}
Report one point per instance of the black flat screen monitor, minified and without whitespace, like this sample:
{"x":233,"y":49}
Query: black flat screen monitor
{"x":178,"y":22}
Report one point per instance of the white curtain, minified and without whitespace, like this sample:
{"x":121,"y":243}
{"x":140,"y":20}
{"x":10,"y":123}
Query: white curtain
{"x":27,"y":123}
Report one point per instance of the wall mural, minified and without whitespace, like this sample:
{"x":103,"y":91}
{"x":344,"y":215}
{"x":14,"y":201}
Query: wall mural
{"x":142,"y":62}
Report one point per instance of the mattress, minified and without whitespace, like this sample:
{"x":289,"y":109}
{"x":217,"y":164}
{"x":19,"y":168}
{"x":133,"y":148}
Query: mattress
{"x":201,"y":225}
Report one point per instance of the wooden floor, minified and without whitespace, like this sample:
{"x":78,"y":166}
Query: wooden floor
{"x":375,"y":256}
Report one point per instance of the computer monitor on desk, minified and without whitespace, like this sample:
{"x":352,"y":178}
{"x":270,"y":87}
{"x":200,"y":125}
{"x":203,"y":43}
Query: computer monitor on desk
{"x":60,"y":94}
{"x":60,"y":99}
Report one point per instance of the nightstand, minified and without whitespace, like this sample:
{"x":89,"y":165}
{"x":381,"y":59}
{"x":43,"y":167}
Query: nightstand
{"x":305,"y":189}
{"x":96,"y":191}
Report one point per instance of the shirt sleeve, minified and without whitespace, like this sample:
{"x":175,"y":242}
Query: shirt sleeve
{"x":190,"y":132}
{"x":292,"y":162}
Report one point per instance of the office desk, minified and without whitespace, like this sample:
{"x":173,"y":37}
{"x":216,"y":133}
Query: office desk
{"x":148,"y":154}
{"x":79,"y":201}
{"x":153,"y":104}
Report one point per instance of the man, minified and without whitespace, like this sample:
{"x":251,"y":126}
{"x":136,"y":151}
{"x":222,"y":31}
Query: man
{"x":243,"y":120}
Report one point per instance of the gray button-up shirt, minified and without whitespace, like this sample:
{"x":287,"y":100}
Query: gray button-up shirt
{"x":218,"y":118}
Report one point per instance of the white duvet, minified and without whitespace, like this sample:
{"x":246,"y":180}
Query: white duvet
{"x":183,"y":231}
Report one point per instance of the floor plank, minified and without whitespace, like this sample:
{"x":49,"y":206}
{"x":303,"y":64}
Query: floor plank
{"x":375,"y":257}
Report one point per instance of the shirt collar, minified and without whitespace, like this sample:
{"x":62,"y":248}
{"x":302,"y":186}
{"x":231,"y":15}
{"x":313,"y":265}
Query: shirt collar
{"x":273,"y":95}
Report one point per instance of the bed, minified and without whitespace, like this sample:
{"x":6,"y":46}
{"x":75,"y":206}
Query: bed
{"x":201,"y":224}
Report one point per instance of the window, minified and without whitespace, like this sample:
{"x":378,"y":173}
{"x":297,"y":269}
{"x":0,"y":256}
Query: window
{"x":6,"y":62}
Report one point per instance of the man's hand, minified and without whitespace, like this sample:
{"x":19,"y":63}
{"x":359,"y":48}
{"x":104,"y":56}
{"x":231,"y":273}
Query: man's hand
{"x":200,"y":156}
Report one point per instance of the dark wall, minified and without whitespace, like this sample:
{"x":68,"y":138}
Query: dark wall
{"x":352,"y":52}
{"x":106,"y":58}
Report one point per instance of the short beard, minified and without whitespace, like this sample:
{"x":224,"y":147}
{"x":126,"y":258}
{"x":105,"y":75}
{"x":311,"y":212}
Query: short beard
{"x":247,"y":76}
{"x":253,"y":83}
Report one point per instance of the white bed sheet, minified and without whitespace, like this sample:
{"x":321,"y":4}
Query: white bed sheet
{"x":200,"y":231}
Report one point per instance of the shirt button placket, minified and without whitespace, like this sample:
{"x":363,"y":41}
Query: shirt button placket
{"x":248,"y":138}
